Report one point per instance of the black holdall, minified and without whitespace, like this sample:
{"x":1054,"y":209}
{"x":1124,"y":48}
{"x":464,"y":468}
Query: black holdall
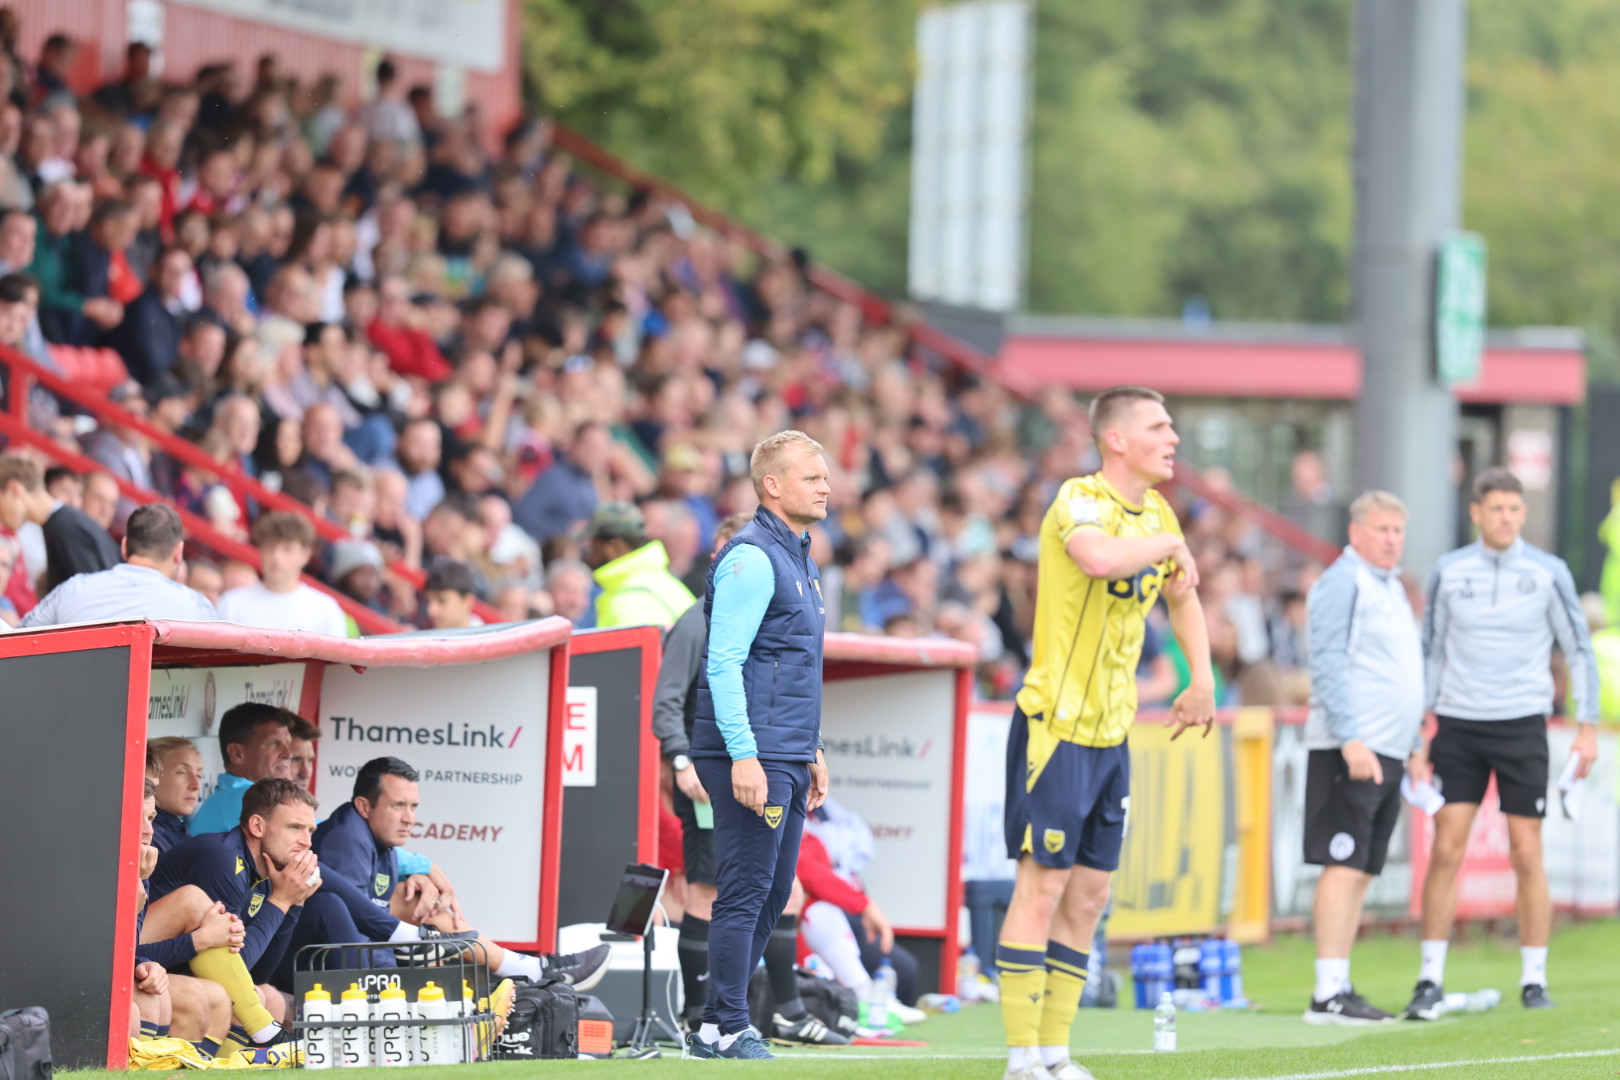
{"x":25,"y":1044}
{"x":830,"y":1002}
{"x":543,"y":1023}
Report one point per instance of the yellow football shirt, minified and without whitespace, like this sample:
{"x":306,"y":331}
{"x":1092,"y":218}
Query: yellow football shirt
{"x":1088,"y":632}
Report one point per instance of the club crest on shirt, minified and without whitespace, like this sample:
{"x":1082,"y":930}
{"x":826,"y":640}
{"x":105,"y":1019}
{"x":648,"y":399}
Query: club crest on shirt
{"x":1150,"y":521}
{"x":255,"y":903}
{"x":773,"y":816}
{"x":382,"y":884}
{"x":1053,"y":839}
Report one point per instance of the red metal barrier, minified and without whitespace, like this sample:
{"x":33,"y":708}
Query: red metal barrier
{"x":196,"y":528}
{"x":23,"y":372}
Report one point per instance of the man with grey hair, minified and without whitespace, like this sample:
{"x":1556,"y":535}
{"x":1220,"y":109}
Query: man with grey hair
{"x":1495,"y":610}
{"x":1366,"y":714}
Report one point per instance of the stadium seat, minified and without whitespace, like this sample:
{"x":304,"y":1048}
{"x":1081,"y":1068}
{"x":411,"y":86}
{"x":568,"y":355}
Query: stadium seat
{"x":96,"y":369}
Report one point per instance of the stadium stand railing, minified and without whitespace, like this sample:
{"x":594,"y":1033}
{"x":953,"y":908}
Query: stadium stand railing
{"x":22,"y":373}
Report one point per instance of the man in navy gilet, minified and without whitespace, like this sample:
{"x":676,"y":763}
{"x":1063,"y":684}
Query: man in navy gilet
{"x":756,"y":737}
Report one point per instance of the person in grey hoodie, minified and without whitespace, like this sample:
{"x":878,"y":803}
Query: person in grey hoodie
{"x":1495,"y":610}
{"x":1364,"y":725}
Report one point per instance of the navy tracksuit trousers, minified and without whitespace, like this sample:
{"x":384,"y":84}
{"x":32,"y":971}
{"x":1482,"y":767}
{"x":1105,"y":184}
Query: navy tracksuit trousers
{"x":755,"y":859}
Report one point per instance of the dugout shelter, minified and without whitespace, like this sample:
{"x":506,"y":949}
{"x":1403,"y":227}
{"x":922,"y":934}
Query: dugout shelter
{"x":477,"y":712}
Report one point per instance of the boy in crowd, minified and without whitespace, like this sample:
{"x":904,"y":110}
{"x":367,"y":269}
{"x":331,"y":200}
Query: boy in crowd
{"x":286,"y":543}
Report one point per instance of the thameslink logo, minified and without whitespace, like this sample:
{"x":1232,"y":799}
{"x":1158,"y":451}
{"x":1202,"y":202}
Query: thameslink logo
{"x":450,"y":733}
{"x":879,"y":746}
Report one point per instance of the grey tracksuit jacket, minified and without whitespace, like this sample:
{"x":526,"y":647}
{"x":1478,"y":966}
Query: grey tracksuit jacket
{"x":1488,"y":632}
{"x":1365,"y":660}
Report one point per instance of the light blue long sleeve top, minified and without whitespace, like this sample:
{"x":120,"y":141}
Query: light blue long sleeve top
{"x":744,"y":583}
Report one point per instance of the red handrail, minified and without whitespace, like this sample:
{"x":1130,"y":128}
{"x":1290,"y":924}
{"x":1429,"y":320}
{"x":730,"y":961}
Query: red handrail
{"x":24,"y":372}
{"x":1295,"y":536}
{"x":196,"y":528}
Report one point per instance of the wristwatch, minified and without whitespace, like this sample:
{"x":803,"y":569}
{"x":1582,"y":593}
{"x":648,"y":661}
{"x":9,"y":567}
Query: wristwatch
{"x":680,"y":763}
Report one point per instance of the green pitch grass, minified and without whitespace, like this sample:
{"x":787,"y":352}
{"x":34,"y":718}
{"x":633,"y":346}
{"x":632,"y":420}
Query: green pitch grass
{"x":1579,"y":1039}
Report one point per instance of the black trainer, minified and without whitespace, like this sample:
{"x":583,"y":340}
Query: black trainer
{"x":1346,"y":1008}
{"x":1428,"y":1002}
{"x":807,"y":1030}
{"x":1535,"y":996}
{"x":581,"y":970}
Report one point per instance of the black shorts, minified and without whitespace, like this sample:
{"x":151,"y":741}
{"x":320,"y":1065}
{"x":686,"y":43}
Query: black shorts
{"x":1074,"y":812}
{"x":1466,"y":752}
{"x":1349,"y":822}
{"x":697,"y":845}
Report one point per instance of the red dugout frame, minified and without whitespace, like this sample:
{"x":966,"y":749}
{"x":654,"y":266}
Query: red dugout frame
{"x":184,"y":644}
{"x":860,"y":656}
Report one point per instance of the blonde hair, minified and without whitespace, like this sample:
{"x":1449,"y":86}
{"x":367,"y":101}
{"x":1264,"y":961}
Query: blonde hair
{"x":1369,"y":501}
{"x":159,"y":749}
{"x":771,"y":454}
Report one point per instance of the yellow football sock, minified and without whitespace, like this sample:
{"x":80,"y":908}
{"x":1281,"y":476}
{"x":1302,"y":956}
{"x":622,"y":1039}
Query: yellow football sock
{"x":1065,"y":979}
{"x":226,"y":968}
{"x":1022,"y":971}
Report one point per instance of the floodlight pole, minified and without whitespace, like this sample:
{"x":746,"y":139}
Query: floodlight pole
{"x":1408,"y":188}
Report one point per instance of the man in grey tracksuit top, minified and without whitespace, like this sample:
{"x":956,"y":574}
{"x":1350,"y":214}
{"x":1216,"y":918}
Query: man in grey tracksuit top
{"x":1495,"y":610}
{"x":1366,"y":711}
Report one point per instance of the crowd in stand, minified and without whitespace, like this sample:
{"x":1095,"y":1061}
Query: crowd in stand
{"x":457,"y":353}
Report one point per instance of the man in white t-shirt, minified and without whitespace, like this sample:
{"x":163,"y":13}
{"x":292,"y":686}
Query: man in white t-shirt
{"x":286,"y":543}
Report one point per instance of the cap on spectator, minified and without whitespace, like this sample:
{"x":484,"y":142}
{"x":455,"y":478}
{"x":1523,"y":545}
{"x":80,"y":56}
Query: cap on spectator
{"x":350,"y":555}
{"x":619,"y":520}
{"x":124,"y":392}
{"x":683,"y":457}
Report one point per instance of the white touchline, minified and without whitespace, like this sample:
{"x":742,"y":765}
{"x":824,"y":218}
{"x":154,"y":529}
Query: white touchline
{"x":1427,"y":1066}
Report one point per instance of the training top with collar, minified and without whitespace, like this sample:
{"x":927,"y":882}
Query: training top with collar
{"x":1489,"y":628}
{"x":1366,"y":665}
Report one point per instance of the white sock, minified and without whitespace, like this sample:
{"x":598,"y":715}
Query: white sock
{"x":709,"y":1033}
{"x":1018,"y":1058}
{"x":406,"y":932}
{"x":265,"y":1034}
{"x":1535,"y":965}
{"x":1054,"y":1055}
{"x":1433,"y":968}
{"x":727,"y":1040}
{"x":516,"y":963}
{"x":1332,"y":976}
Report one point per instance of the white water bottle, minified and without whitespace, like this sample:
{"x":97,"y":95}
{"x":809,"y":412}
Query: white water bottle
{"x":354,"y":1043}
{"x":435,"y":1038}
{"x":1164,"y":1024}
{"x":879,"y":996}
{"x":317,"y":1041}
{"x":391,"y":1045}
{"x":469,"y":1029}
{"x":967,"y":975}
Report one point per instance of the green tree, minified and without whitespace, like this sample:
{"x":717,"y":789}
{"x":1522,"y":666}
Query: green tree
{"x":750,"y":105}
{"x":1191,"y":149}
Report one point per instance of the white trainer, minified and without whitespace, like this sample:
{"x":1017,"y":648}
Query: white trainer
{"x":1032,"y":1072}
